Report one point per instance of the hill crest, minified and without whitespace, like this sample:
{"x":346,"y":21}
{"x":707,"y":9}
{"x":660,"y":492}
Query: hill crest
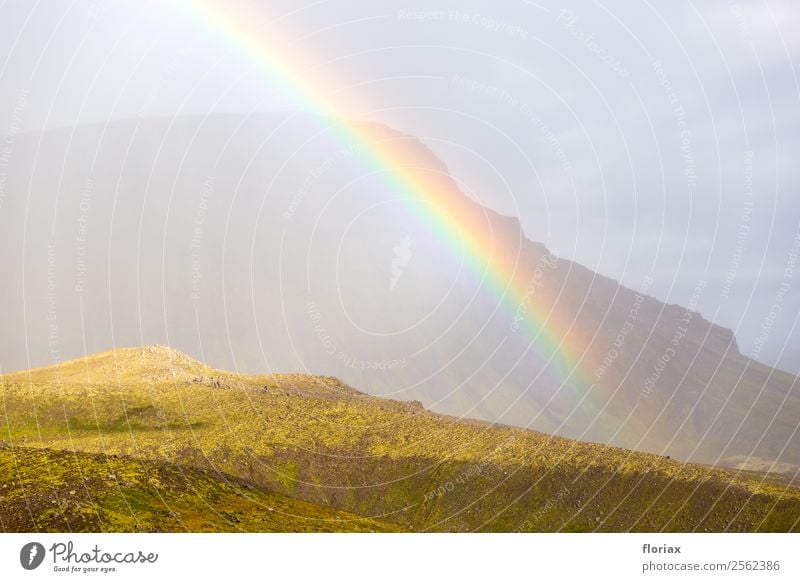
{"x":120,"y":365}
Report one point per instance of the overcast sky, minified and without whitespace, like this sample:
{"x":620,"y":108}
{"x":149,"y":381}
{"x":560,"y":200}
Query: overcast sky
{"x":637,"y":138}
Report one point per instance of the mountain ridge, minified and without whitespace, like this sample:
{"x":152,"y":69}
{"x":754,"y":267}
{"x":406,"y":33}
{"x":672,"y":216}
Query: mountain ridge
{"x":234,"y":250}
{"x":382,"y":129}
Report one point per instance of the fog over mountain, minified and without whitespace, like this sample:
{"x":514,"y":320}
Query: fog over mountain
{"x":639,"y":140}
{"x":260,"y":243}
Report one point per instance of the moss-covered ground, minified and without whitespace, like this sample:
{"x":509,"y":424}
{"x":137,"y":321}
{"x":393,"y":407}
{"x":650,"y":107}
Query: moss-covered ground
{"x":312,"y":439}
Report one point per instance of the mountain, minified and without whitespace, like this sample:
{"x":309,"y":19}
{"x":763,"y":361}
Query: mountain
{"x":265,"y":243}
{"x":134,"y":431}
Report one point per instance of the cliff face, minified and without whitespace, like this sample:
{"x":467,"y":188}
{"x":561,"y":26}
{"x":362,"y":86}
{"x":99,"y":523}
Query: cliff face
{"x":649,"y":375}
{"x":265,"y":244}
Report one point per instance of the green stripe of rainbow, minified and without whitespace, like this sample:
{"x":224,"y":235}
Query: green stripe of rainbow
{"x":242,"y":28}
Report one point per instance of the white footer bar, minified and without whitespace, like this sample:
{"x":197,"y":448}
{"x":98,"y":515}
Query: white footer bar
{"x":376,"y":557}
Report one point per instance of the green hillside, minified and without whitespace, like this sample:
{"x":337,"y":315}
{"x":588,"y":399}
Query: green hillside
{"x":315,"y":439}
{"x":51,"y":491}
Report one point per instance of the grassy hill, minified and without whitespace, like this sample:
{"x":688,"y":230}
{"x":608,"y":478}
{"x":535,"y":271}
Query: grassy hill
{"x":54,"y":491}
{"x":309,"y":438}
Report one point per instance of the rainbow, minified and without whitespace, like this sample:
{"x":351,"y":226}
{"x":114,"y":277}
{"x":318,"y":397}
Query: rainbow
{"x":304,"y":83}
